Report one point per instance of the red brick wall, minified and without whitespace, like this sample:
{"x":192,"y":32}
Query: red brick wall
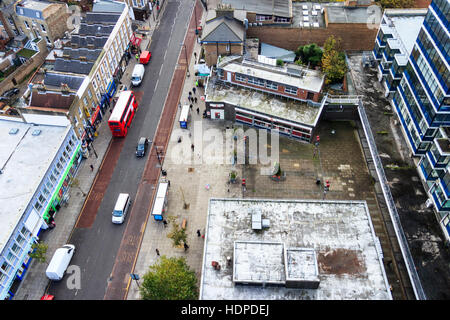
{"x":354,"y":36}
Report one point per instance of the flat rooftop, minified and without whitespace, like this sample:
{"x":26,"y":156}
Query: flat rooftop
{"x":261,"y":102}
{"x":280,"y":8}
{"x":405,"y":24}
{"x":290,"y":74}
{"x":24,"y":161}
{"x":341,"y":14}
{"x":339,"y":233}
{"x":35,"y":5}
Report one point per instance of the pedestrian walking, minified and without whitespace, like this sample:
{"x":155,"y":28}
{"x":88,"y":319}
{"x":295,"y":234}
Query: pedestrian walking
{"x":195,"y":99}
{"x":190,"y":93}
{"x":190,"y":106}
{"x":179,"y":105}
{"x":198,"y":233}
{"x":195,"y":56}
{"x":196,"y":83}
{"x":165,"y":223}
{"x":168,"y":183}
{"x":157,"y":252}
{"x":198,"y":110}
{"x":192,"y":147}
{"x":193,"y":90}
{"x":92,"y":167}
{"x":137,"y":57}
{"x":186,"y":246}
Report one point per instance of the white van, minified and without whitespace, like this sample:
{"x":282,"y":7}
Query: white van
{"x":138,"y":74}
{"x":121,"y":208}
{"x":60,"y":261}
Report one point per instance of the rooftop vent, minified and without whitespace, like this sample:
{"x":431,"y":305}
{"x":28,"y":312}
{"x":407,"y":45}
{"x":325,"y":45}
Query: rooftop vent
{"x":36,"y":132}
{"x":13,"y":131}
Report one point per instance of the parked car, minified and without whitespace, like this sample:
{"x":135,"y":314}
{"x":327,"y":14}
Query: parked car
{"x":142,"y":146}
{"x":60,"y":261}
{"x":11,"y":92}
{"x":138,"y":74}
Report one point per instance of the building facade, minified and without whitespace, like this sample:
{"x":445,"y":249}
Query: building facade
{"x":88,"y":66}
{"x":41,"y":19}
{"x":422,"y":103}
{"x":37,"y":167}
{"x":398,"y":31}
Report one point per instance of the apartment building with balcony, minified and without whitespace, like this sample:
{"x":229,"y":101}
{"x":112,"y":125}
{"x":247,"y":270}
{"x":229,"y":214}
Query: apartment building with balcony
{"x":396,"y":36}
{"x":422,"y":104}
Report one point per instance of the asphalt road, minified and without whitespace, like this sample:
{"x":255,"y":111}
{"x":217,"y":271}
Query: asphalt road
{"x":97,"y":246}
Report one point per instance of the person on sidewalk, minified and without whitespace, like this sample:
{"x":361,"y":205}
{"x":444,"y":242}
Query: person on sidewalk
{"x":190,"y":106}
{"x":92,"y":167}
{"x":157,"y":252}
{"x":186,"y":246}
{"x":198,"y":233}
{"x":195,"y":99}
{"x":192,"y":147}
{"x":193,"y":90}
{"x":198,"y":110}
{"x":165,"y":223}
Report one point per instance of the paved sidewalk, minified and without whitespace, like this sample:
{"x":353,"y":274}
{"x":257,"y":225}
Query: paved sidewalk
{"x":35,"y":283}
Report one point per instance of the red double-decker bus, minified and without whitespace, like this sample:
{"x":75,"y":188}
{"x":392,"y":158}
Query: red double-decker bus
{"x":123,"y":114}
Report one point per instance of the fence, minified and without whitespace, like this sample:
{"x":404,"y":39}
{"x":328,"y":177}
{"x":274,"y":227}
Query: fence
{"x":409,"y":262}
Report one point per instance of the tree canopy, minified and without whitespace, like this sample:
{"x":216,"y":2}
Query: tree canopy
{"x":170,"y":279}
{"x":310,"y":53}
{"x":397,"y":3}
{"x":333,"y":61}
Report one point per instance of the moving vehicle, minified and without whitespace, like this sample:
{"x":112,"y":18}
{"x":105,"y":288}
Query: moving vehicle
{"x":123,"y":114}
{"x":60,"y":261}
{"x":138,"y":74}
{"x":141,"y":147}
{"x":121,"y":208}
{"x":145,"y":57}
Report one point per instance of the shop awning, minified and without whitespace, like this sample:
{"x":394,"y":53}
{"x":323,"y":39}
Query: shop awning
{"x":95,"y":115}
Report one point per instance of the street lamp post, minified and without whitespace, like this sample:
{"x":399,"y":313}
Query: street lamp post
{"x":187,"y":61}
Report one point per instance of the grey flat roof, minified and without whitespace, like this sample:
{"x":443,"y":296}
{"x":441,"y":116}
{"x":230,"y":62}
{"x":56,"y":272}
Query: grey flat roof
{"x":265,"y":103}
{"x":101,"y":17}
{"x":95,"y":29}
{"x":280,"y":8}
{"x":56,"y":79}
{"x":340,"y":14}
{"x":340,"y":232}
{"x":108,"y":6}
{"x":24,"y":160}
{"x":76,"y":53}
{"x":84,"y":41}
{"x":73,"y":66}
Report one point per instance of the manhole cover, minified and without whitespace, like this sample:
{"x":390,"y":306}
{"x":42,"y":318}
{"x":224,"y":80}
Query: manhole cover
{"x":190,"y":169}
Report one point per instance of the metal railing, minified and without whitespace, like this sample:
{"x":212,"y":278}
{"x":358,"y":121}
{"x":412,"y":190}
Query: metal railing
{"x":343,"y":99}
{"x":403,"y":243}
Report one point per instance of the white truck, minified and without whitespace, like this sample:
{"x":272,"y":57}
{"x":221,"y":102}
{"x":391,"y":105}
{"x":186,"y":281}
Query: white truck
{"x":137,"y":75}
{"x":60,"y":261}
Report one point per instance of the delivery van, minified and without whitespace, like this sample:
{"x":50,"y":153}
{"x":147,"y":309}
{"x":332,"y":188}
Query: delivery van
{"x":121,"y":208}
{"x":137,"y":75}
{"x":60,"y":261}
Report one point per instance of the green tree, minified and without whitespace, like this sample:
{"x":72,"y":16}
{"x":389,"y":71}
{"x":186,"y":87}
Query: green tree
{"x":170,"y":279}
{"x":280,"y":62}
{"x":310,"y":53}
{"x":38,"y":251}
{"x":178,"y":234}
{"x":397,"y":3}
{"x":333,"y":61}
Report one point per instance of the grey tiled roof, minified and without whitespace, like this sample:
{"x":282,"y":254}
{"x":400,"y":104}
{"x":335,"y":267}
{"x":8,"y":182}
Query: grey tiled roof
{"x":223,"y":29}
{"x":56,"y":79}
{"x":73,"y":66}
{"x":95,"y":29}
{"x":99,"y":17}
{"x":83,"y":41}
{"x":90,"y":54}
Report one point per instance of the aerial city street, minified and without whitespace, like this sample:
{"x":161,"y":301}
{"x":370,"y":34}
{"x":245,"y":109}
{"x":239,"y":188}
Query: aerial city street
{"x":224,"y":150}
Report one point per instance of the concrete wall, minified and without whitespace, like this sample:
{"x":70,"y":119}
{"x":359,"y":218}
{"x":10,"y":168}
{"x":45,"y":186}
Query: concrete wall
{"x":355,"y":36}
